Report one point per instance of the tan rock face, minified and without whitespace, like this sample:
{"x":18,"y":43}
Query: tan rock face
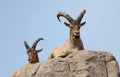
{"x":83,"y":63}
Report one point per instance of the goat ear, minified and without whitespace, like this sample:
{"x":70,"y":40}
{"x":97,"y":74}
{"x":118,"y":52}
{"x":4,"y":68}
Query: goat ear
{"x":67,"y":24}
{"x":83,"y":23}
{"x":39,"y":50}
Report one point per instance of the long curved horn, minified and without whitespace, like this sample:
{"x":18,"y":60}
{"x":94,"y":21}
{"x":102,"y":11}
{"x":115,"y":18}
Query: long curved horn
{"x":81,"y":16}
{"x":35,"y":43}
{"x":68,"y":17}
{"x":26,"y":45}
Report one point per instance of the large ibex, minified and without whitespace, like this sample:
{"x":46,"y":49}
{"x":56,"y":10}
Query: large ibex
{"x":74,"y":41}
{"x":32,"y":57}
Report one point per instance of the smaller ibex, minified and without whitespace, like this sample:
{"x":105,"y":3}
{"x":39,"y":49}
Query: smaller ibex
{"x":32,"y":57}
{"x":74,"y":41}
{"x":32,"y":52}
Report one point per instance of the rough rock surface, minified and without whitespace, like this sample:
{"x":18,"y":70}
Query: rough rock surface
{"x":84,"y":63}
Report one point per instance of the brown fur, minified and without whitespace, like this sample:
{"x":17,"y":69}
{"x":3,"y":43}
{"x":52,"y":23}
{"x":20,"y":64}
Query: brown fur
{"x":32,"y":57}
{"x":74,"y":41}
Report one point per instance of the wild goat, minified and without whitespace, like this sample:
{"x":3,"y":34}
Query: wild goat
{"x":32,"y":57}
{"x":32,"y":53}
{"x":74,"y":41}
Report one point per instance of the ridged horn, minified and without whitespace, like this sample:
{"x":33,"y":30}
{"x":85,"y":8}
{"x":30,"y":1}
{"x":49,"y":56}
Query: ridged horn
{"x":26,"y":45}
{"x":35,"y":43}
{"x":68,"y":17}
{"x":81,"y":16}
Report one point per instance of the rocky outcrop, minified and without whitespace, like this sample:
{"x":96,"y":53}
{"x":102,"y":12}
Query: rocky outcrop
{"x":83,"y":63}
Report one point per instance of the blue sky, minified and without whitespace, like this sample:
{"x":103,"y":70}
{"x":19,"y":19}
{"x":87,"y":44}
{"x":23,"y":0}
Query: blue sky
{"x":29,"y":19}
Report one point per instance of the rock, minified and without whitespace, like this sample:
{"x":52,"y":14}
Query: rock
{"x":83,"y":63}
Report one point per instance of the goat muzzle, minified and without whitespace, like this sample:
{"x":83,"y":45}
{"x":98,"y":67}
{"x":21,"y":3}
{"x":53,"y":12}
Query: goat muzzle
{"x":76,"y":34}
{"x":30,"y":60}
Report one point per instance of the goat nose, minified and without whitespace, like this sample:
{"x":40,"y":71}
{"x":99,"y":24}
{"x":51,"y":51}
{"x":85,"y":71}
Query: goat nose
{"x":29,"y":59}
{"x":77,"y":32}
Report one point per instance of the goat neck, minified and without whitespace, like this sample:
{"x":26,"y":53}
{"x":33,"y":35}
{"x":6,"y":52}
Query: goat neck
{"x":75,"y":42}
